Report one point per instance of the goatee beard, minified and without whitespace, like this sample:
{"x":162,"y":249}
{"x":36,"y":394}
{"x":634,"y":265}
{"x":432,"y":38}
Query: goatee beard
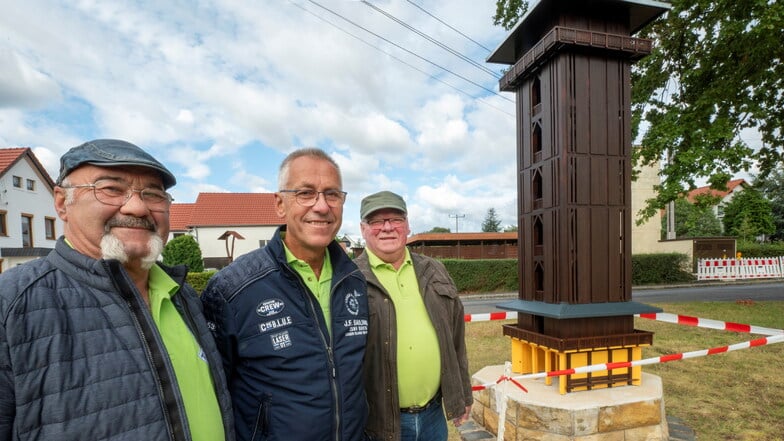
{"x":113,"y":248}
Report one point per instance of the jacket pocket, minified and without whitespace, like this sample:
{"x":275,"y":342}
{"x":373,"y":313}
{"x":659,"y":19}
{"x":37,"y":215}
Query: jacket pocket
{"x":261,"y":429}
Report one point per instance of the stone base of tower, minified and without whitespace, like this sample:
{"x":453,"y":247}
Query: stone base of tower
{"x":542,"y":413}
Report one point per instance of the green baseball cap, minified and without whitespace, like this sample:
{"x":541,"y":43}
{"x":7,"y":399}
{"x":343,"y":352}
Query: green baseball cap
{"x":382,"y":199}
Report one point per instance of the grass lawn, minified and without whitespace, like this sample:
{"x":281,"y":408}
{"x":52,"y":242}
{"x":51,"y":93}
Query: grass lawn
{"x":732,"y":396}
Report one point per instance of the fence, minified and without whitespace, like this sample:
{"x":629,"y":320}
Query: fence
{"x":743,"y":268}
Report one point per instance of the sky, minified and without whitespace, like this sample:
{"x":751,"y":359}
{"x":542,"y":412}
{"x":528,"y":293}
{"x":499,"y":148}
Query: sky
{"x":398,"y":92}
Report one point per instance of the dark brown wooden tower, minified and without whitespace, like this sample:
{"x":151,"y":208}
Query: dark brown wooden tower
{"x":571,"y":75}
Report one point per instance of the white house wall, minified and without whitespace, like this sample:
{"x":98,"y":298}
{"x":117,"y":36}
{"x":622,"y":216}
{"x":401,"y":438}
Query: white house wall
{"x":15,"y":201}
{"x":645,"y":237}
{"x":210,"y":246}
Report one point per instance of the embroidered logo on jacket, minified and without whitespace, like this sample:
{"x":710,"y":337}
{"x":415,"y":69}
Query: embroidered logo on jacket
{"x":352,"y":302}
{"x":270,"y":307}
{"x":280,"y":340}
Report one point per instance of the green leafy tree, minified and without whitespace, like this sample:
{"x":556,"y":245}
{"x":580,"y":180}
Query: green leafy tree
{"x":492,"y":223}
{"x":715,"y":70}
{"x":748,"y":215}
{"x":693,"y":220}
{"x":439,"y":230}
{"x":184,"y":250}
{"x":507,"y":12}
{"x":772,"y":187}
{"x":510,"y":228}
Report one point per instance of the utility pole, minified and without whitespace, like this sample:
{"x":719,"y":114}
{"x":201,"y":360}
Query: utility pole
{"x":456,"y":216}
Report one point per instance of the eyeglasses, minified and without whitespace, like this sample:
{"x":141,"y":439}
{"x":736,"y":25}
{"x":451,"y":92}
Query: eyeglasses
{"x":378,"y":224}
{"x":116,"y":193}
{"x":308,"y":198}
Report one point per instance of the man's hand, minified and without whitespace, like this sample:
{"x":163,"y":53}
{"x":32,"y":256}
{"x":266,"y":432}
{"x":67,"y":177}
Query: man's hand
{"x":463,"y":418}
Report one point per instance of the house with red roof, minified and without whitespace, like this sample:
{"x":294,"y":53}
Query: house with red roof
{"x":734,"y":187}
{"x":29,"y":225}
{"x":226,"y":225}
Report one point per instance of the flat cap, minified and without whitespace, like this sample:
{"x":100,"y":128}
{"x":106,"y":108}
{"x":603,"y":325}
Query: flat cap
{"x":382,"y":199}
{"x":111,"y":153}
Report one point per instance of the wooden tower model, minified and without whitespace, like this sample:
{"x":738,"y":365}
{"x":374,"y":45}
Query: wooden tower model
{"x":571,"y":66}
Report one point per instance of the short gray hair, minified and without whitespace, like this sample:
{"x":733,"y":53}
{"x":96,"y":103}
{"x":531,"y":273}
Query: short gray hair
{"x":283,"y":171}
{"x":68,"y":190}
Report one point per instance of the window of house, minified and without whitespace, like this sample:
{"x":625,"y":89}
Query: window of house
{"x":176,"y":235}
{"x":31,"y":185}
{"x":3,"y":228}
{"x":27,"y":230}
{"x":18,"y":181}
{"x":263,"y":243}
{"x":49,"y":225}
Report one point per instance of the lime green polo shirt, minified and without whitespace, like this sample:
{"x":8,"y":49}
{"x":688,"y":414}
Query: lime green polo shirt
{"x":418,"y":357}
{"x":188,"y":359}
{"x":320,"y":287}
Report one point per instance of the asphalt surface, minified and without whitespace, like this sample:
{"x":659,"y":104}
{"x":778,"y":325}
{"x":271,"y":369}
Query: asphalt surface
{"x":755,"y":290}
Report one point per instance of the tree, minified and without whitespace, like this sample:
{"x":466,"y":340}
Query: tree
{"x":772,"y":187}
{"x":715,"y":70}
{"x":510,"y":228}
{"x":184,"y":250}
{"x":748,"y":215}
{"x":439,"y":230}
{"x":693,"y":220}
{"x":491,"y":224}
{"x":507,"y":12}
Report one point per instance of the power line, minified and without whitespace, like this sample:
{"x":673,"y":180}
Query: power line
{"x":450,"y":27}
{"x":433,"y":40}
{"x":482,"y":100}
{"x":410,"y":52}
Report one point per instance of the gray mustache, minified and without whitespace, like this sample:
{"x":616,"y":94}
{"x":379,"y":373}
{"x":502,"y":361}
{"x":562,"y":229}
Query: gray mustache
{"x":130,"y":222}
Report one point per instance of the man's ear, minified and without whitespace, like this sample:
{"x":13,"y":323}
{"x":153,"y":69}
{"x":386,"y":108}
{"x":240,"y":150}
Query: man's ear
{"x":280,"y":208}
{"x":59,"y":203}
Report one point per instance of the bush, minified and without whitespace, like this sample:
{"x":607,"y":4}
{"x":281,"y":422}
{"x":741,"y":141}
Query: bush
{"x":753,"y":249}
{"x":483,"y":275}
{"x":183,"y":250}
{"x":649,"y":269}
{"x":199,"y":280}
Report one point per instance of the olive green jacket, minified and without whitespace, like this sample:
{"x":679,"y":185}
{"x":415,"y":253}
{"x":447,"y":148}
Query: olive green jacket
{"x":380,"y":367}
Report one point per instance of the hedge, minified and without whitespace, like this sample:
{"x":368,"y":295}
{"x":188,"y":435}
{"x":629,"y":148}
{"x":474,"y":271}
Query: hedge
{"x":500,"y":275}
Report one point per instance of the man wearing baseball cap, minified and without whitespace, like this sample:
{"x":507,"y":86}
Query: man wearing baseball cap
{"x":98,"y":340}
{"x":416,"y":368}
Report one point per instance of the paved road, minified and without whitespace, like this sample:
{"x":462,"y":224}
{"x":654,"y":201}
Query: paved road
{"x":729,"y":291}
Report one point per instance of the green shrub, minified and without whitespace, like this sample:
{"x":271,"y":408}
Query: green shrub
{"x":753,"y":249}
{"x":183,"y":250}
{"x":483,"y":275}
{"x":199,"y":280}
{"x":649,"y":269}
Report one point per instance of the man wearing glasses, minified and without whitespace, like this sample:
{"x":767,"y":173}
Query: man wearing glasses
{"x":291,"y":319}
{"x":416,"y":369}
{"x":98,"y":341}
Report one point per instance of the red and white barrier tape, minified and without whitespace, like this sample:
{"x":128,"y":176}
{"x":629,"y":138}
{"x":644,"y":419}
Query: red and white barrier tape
{"x":655,"y":360}
{"x":660,"y":316}
{"x":773,"y":336}
{"x":711,"y":324}
{"x":507,"y":315}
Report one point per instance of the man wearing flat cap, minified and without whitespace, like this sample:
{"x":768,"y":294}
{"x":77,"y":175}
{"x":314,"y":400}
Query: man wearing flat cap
{"x":98,"y":341}
{"x":416,"y":368}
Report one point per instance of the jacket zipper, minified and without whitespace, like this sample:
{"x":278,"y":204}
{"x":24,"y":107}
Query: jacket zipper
{"x":145,"y":345}
{"x":327,"y":345}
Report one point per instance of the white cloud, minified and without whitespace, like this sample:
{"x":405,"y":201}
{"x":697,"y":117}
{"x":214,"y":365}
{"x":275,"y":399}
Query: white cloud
{"x":23,"y":86}
{"x":219,"y":90}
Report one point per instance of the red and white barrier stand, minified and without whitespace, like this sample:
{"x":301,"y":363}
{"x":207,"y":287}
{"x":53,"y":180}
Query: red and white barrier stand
{"x":743,"y":268}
